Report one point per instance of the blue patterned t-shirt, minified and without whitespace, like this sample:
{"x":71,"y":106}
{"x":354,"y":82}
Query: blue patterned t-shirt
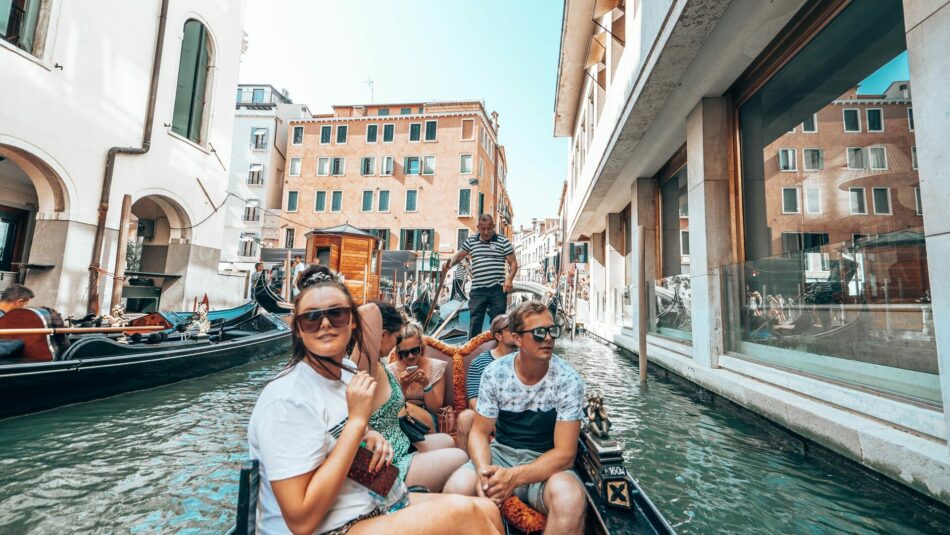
{"x":525,"y":415}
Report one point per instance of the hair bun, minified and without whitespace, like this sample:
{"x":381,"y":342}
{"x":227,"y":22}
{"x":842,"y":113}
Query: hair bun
{"x":317,"y":274}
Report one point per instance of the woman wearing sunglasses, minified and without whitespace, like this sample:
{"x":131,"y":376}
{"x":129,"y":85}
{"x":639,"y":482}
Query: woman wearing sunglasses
{"x":421,"y":378}
{"x":308,"y":424}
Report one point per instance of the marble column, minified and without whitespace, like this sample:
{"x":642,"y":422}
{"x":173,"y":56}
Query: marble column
{"x":708,"y":153}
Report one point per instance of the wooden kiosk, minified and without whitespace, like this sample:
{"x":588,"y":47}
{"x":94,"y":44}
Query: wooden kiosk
{"x":351,"y":252}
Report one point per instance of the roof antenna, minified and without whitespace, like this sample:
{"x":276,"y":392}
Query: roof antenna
{"x":369,"y":83}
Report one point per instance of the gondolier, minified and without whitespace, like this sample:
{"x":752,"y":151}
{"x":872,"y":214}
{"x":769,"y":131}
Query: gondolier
{"x":490,"y":253}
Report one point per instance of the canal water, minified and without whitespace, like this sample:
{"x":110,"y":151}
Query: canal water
{"x":166,"y":460}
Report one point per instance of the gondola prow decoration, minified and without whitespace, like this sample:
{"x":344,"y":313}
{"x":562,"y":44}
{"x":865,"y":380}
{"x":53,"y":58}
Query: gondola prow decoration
{"x":603,"y":458}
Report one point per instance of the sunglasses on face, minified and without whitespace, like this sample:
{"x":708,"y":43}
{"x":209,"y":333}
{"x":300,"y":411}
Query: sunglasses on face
{"x":311,"y":321}
{"x":540,"y":333}
{"x":403,"y":353}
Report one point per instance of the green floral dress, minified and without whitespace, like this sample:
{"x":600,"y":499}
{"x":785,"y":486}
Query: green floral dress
{"x":386,"y":421}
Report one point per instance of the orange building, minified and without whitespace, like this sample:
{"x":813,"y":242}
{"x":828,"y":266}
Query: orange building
{"x":416,"y":175}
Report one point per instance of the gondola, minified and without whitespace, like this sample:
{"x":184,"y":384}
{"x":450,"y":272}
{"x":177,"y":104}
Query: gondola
{"x":616,"y":503}
{"x":44,"y":371}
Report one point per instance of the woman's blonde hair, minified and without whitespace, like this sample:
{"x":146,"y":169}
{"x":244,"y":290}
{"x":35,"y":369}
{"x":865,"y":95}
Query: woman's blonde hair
{"x":411,"y":330}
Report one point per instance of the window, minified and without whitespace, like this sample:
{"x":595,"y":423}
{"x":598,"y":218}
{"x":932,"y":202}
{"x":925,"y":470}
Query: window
{"x":291,"y":201}
{"x":465,"y":164}
{"x":856,"y":158}
{"x":259,"y":138}
{"x":255,"y":174}
{"x":336,"y":201}
{"x":790,"y":201}
{"x":462,"y":236}
{"x":320,"y":201}
{"x":411,"y":165}
{"x":465,"y":202}
{"x":251,"y":212}
{"x":295,"y":167}
{"x":852,"y":120}
{"x":481,"y":203}
{"x":405,"y":111}
{"x":191,"y":95}
{"x":428,"y":165}
{"x":248,"y":246}
{"x":382,"y":234}
{"x":910,"y":119}
{"x":368,"y":166}
{"x":298,"y":135}
{"x":323,"y":166}
{"x":917,"y":200}
{"x":468,"y":129}
{"x":325,"y":132}
{"x":786,"y":160}
{"x":810,"y":125}
{"x":812,"y":201}
{"x":913,"y":157}
{"x":481,"y":168}
{"x":416,"y":239}
{"x":258,"y":96}
{"x":19,"y":25}
{"x":878,"y":158}
{"x":383,"y":205}
{"x":240,"y":95}
{"x":382,"y":111}
{"x":389,"y":132}
{"x":372,"y":130}
{"x":289,"y":238}
{"x":881,"y":197}
{"x":341,"y":134}
{"x":875,"y":119}
{"x":813,"y":159}
{"x":431,"y":127}
{"x":337,"y":166}
{"x":412,"y":198}
{"x":367,"y":201}
{"x":857,"y":201}
{"x":684,"y":242}
{"x":386,"y":166}
{"x":415,"y":131}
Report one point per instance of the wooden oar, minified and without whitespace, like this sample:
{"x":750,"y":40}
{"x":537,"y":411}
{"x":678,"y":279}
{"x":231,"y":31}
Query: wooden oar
{"x":434,"y":302}
{"x":84,"y":330}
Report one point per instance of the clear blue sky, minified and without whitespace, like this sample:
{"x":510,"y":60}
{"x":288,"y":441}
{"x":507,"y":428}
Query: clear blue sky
{"x":504,"y":52}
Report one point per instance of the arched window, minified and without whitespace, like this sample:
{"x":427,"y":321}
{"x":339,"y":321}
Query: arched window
{"x":192,"y":81}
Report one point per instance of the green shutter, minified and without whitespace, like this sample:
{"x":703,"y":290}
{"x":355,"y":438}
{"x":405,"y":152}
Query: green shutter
{"x":192,"y":82}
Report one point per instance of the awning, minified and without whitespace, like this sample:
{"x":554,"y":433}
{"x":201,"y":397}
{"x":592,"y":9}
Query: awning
{"x":602,"y":7}
{"x":597,"y":49}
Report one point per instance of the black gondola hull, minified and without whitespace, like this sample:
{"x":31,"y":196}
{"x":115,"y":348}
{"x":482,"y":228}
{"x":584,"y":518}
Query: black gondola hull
{"x":32,"y":387}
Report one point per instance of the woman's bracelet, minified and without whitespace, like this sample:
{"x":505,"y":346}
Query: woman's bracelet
{"x":427,"y":389}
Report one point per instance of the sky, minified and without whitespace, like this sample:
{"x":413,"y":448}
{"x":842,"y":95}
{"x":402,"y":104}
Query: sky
{"x":503,"y":52}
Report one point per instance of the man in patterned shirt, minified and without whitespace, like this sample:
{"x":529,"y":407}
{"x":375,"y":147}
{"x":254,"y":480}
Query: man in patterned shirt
{"x":532,"y":400}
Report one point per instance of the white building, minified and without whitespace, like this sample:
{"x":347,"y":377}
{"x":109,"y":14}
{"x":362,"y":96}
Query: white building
{"x":77,"y":83}
{"x":256,"y":177}
{"x":536,"y":248}
{"x":816,"y":294}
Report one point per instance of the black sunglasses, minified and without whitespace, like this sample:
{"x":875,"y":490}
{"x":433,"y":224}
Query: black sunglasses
{"x":310,"y":322}
{"x":540,"y":333}
{"x":403,"y":353}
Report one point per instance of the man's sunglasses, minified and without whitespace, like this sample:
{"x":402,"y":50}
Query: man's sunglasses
{"x":540,"y":333}
{"x":310,"y":322}
{"x":403,"y":353}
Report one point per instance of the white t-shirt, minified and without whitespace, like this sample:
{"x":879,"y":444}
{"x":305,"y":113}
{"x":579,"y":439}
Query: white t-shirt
{"x":298,"y":269}
{"x":295,"y":424}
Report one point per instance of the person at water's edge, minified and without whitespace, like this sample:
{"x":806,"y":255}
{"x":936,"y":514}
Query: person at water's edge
{"x":490,"y":253}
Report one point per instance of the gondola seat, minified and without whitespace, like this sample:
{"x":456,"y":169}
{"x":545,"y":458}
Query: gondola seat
{"x":11,"y":349}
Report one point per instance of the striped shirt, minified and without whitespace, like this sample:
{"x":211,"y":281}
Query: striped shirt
{"x":488,"y":259}
{"x":473,"y":379}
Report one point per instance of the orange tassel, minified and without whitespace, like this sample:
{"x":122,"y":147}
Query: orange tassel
{"x":522,"y":516}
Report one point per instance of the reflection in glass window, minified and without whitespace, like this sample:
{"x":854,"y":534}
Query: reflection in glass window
{"x":856,"y":158}
{"x":810,"y":125}
{"x":786,"y":160}
{"x":878,"y":158}
{"x":875,"y":120}
{"x":882,"y":200}
{"x":790,"y":201}
{"x":857,"y":201}
{"x":852,"y":120}
{"x":812,"y":201}
{"x":814,"y":159}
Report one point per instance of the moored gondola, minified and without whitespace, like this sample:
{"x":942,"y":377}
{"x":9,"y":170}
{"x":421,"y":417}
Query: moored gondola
{"x":45,"y":371}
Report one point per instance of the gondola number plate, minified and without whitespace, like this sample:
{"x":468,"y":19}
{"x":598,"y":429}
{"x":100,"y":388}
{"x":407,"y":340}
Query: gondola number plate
{"x":614,"y":471}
